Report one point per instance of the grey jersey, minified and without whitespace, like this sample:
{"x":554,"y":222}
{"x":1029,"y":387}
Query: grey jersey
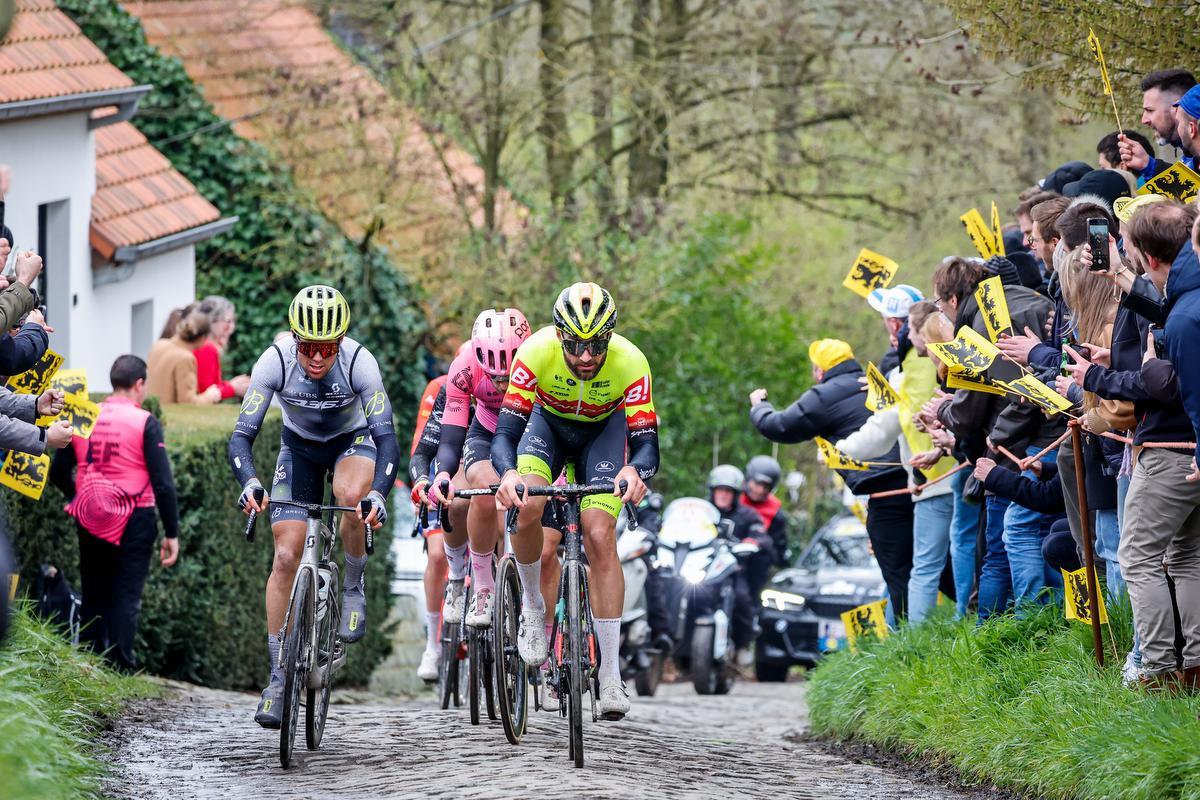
{"x":349,"y":398}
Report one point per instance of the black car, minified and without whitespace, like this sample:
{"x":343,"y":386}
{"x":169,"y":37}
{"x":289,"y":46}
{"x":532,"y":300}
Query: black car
{"x":802,"y":607}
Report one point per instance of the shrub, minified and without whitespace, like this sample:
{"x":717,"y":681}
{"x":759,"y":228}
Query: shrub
{"x":203,"y":620}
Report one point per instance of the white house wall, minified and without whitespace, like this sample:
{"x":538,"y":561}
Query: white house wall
{"x":53,"y":159}
{"x":168,"y":280}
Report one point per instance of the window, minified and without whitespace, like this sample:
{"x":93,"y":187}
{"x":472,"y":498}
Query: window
{"x":141,"y":328}
{"x":54,"y":284}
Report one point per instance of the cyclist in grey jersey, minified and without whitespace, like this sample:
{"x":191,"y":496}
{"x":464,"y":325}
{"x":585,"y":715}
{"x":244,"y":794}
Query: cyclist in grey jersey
{"x":337,"y":419}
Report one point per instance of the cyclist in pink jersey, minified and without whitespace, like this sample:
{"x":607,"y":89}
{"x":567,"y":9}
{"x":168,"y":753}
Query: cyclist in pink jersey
{"x":480,"y":375}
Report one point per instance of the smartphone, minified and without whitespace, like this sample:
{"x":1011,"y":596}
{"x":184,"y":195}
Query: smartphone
{"x":1097,"y":236}
{"x":1065,"y":358}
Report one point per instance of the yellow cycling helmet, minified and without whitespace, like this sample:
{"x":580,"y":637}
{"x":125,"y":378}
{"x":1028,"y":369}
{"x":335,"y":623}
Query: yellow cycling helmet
{"x":319,"y":313}
{"x":585,"y":311}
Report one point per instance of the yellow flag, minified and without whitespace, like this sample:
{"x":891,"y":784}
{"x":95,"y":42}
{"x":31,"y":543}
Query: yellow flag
{"x":13,"y":580}
{"x":864,"y":622}
{"x":974,"y":383}
{"x":25,"y":473}
{"x":968,"y":352}
{"x":80,"y":412}
{"x":880,"y":394}
{"x":836,"y":459}
{"x":997,"y":231}
{"x":35,"y":379}
{"x":1077,"y":607}
{"x":1177,"y":181}
{"x":1094,"y":43}
{"x":870,"y":271}
{"x":70,"y":381}
{"x":1038,"y":393}
{"x":980,"y":233}
{"x":994,"y":306}
{"x":859,"y":511}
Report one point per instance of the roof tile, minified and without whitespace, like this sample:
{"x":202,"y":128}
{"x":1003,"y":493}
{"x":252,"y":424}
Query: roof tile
{"x":139,"y":195}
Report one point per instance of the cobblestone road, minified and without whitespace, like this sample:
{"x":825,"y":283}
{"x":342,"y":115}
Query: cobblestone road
{"x":203,"y":744}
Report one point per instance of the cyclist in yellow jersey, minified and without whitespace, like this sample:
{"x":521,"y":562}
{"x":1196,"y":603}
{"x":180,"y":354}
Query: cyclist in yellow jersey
{"x":577,"y":393}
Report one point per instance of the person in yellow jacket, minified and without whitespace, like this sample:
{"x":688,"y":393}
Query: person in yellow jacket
{"x":915,"y":381}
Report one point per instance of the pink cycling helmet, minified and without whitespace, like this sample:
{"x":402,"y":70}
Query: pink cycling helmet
{"x":496,"y":335}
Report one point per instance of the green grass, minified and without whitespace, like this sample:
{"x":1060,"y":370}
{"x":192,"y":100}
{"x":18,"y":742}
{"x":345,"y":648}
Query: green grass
{"x":1019,"y":703}
{"x":54,"y":701}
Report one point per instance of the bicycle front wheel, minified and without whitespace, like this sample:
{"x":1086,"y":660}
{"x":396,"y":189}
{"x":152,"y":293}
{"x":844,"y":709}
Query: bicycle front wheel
{"x":297,"y":643}
{"x":576,"y":671}
{"x":475,"y":672}
{"x":511,"y":682}
{"x":317,"y":706}
{"x":448,"y":665}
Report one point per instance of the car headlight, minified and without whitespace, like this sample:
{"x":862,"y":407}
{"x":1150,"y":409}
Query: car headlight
{"x":782,"y":601}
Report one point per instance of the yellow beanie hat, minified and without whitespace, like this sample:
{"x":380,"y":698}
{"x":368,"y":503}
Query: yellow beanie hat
{"x":828,"y":353}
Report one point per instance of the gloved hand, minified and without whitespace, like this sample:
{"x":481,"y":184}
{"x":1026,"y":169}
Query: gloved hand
{"x":418,"y":491}
{"x":373,"y":509}
{"x":247,"y":500}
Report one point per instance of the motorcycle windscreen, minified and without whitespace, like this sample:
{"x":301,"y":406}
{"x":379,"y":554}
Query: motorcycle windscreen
{"x":689,"y":520}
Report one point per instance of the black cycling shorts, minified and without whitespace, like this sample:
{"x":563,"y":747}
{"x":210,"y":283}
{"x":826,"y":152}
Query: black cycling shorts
{"x":596,"y":449}
{"x":303,"y":466}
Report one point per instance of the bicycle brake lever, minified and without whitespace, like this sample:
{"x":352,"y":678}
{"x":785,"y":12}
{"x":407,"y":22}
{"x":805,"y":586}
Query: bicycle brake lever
{"x":444,"y":511}
{"x":259,"y":494}
{"x":364,"y":508}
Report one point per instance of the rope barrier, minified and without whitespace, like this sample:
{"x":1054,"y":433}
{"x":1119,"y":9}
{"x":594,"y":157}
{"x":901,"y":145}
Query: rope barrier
{"x":921,"y":488}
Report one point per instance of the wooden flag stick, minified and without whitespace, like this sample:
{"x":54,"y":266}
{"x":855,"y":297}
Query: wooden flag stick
{"x":1089,"y":557}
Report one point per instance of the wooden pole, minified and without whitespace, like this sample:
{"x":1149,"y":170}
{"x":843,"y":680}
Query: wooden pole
{"x":1089,"y":557}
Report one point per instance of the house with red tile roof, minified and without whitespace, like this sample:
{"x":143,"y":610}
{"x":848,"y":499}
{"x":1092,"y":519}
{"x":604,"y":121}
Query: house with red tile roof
{"x":115,"y":224}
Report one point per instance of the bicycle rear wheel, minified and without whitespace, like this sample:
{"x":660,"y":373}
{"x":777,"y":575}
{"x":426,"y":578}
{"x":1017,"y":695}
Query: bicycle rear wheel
{"x":448,"y":666}
{"x":317,"y":705}
{"x":511,"y":681}
{"x":576,"y":673}
{"x":297,"y":643}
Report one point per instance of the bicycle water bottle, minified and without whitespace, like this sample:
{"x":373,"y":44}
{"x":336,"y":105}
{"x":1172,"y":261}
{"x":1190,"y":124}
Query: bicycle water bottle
{"x":323,"y":578}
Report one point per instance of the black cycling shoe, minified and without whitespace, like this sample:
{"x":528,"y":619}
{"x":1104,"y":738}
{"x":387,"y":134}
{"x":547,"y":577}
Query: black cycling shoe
{"x":270,"y":707}
{"x":354,"y":614}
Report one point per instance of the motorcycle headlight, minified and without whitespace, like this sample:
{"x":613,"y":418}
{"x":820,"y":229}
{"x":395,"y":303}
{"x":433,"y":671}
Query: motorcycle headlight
{"x":693,"y":572}
{"x":782,"y":601}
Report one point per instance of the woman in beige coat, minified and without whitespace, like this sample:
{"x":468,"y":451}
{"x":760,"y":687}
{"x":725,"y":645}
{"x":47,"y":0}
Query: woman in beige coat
{"x":171,"y":364}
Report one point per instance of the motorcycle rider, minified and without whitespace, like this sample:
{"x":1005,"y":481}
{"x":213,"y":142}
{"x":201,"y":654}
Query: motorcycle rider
{"x":650,"y":514}
{"x":762,"y":476}
{"x":725,"y":484}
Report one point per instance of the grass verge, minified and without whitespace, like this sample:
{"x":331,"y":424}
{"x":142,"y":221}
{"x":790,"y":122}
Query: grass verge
{"x":1019,"y":703}
{"x":54,"y":701}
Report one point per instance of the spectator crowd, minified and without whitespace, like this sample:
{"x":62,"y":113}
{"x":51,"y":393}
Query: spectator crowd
{"x":975,"y":492}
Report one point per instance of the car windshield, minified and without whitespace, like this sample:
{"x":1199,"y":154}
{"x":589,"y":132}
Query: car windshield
{"x":838,"y":551}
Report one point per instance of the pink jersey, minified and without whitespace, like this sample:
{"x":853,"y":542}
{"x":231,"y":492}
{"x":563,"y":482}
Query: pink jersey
{"x":468,"y":380}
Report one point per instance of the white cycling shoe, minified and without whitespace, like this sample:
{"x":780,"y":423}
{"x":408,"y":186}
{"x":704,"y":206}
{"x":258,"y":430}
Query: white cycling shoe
{"x":428,"y":669}
{"x":614,"y":700}
{"x":455,"y":602}
{"x":531,"y":637}
{"x":480,"y":615}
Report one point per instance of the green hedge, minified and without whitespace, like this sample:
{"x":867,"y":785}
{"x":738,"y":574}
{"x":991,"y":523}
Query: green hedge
{"x":204,"y":619}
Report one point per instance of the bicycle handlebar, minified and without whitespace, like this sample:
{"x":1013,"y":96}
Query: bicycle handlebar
{"x":566,"y":490}
{"x":259,"y":494}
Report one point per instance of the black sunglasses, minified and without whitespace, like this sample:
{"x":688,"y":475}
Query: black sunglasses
{"x":577,"y":347}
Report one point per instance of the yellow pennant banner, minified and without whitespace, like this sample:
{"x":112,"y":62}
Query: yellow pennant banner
{"x":80,"y":412}
{"x":980,"y":233}
{"x":1077,"y":595}
{"x":974,"y":383}
{"x":1177,"y":181}
{"x":880,"y":394}
{"x":968,"y":352}
{"x":70,"y":381}
{"x":994,"y":307}
{"x":25,"y":474}
{"x":836,"y":459}
{"x":997,"y":231}
{"x":1094,"y":43}
{"x":35,"y":379}
{"x":1038,"y":393}
{"x":859,"y":511}
{"x":13,"y":580}
{"x":870,"y":271}
{"x":865,"y":622}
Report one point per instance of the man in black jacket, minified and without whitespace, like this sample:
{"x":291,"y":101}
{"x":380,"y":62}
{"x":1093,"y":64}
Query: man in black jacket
{"x":833,"y":409}
{"x":724,"y":485}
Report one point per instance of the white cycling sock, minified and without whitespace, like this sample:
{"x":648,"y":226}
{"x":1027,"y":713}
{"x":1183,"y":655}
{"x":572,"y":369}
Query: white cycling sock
{"x":273,"y":649}
{"x":355,"y":567}
{"x":531,"y":585}
{"x":481,"y":572}
{"x":433,"y":629}
{"x":608,"y":637}
{"x":456,"y":557}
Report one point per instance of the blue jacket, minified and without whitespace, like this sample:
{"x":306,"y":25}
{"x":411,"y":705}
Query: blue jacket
{"x":1183,"y":330}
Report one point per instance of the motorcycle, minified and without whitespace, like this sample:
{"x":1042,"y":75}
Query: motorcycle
{"x":699,"y":563}
{"x":641,"y":661}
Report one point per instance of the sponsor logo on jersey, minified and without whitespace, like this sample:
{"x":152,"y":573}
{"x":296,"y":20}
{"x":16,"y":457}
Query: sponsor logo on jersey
{"x":320,"y":405}
{"x":462,"y":381}
{"x":253,"y":402}
{"x":280,"y":475}
{"x":539,"y":441}
{"x":377,"y":404}
{"x":605,"y":466}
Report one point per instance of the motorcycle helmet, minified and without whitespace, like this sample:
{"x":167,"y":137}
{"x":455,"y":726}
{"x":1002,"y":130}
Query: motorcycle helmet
{"x":765,"y":470}
{"x":726,"y":476}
